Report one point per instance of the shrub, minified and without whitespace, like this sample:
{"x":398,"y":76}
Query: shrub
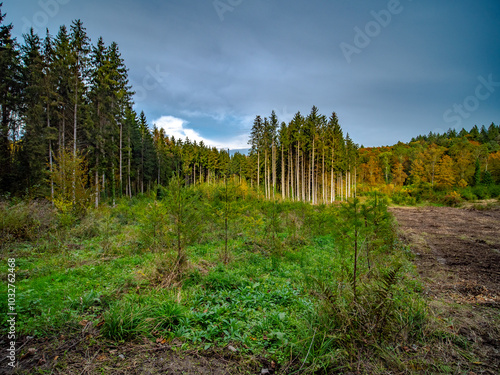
{"x":25,"y":220}
{"x":494,"y":191}
{"x":452,"y":199}
{"x":480,"y":191}
{"x":467,"y":194}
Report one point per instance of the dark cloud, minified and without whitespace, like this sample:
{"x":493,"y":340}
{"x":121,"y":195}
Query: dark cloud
{"x":217,"y":75}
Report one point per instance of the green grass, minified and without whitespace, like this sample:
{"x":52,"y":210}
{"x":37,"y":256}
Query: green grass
{"x":286,"y":292}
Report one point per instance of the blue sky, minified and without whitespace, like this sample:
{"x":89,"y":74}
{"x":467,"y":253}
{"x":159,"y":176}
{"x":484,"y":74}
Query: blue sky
{"x":205,"y":68}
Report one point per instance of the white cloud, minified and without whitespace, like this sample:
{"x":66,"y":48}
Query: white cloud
{"x":177,"y":127}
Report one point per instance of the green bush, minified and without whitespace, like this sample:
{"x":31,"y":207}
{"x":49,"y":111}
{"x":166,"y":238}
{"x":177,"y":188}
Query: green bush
{"x":494,"y":191}
{"x":452,"y":199}
{"x":467,"y":194}
{"x":25,"y":220}
{"x":481,"y":192}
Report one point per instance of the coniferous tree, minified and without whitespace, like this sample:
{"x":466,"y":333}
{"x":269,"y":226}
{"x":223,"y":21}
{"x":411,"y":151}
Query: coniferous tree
{"x":10,"y":88}
{"x":34,"y":146}
{"x":49,"y":96}
{"x":79,"y":43}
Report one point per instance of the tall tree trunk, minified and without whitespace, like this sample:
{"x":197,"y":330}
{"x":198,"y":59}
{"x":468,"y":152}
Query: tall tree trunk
{"x":50,"y":158}
{"x":258,"y":172}
{"x":113,"y":178}
{"x":332,"y":187}
{"x":121,"y":160}
{"x":283,"y":174}
{"x":308,"y":179}
{"x":332,"y":197}
{"x":355,"y":182}
{"x":142,"y":164}
{"x":266,"y":189}
{"x":75,"y":118}
{"x":303,"y":177}
{"x":290,"y":174}
{"x":274,"y":167}
{"x":63,"y":148}
{"x":297,"y":169}
{"x":96,"y":182}
{"x":341,"y":187}
{"x":323,"y":191}
{"x":312,"y":174}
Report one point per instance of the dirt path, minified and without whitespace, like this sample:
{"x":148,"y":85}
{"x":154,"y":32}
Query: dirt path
{"x":458,"y":257}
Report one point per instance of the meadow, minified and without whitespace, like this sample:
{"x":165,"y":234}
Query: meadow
{"x":311,"y":289}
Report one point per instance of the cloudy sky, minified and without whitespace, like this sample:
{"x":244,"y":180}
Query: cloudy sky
{"x":205,"y":68}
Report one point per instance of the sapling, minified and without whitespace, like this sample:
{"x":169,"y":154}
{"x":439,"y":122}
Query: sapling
{"x":182,"y":205}
{"x":354,"y":221}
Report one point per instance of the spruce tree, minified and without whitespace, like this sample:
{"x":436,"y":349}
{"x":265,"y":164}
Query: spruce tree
{"x":34,"y":146}
{"x":10,"y":96}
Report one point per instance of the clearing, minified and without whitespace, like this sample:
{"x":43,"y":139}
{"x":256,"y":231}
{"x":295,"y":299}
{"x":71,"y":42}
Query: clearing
{"x":458,"y":257}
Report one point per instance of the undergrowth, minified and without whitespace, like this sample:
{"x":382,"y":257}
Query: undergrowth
{"x":317,"y":289}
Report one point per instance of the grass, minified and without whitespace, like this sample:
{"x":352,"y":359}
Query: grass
{"x":286,"y":292}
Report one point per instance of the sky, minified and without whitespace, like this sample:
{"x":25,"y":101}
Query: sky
{"x":204,"y":69}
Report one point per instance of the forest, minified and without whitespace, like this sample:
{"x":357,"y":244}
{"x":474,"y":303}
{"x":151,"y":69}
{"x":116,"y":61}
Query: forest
{"x":130,"y":250}
{"x":63,"y":98}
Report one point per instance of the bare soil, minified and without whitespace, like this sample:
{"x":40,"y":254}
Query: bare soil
{"x":87,"y":353}
{"x":457,"y":254}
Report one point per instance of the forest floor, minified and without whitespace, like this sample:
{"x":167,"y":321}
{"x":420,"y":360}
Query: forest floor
{"x":458,"y":258}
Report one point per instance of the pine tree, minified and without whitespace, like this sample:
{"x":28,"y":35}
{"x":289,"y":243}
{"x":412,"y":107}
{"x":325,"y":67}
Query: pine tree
{"x":49,"y":96}
{"x":10,"y":90}
{"x":62,"y":65}
{"x":34,"y":147}
{"x":256,"y":142}
{"x":79,"y":43}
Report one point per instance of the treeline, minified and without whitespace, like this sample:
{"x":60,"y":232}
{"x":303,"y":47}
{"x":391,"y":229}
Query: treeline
{"x":449,"y":160}
{"x":67,"y":120}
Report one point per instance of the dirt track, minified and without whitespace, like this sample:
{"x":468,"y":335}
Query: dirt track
{"x":457,"y":254}
{"x":463,"y":244}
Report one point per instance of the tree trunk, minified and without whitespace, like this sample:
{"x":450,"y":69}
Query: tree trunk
{"x":323,"y":176}
{"x":129,"y":171}
{"x":312,"y":175}
{"x":121,"y":162}
{"x":273,"y":149}
{"x":258,"y":172}
{"x":74,"y":138}
{"x":50,"y":158}
{"x":297,"y":168}
{"x":332,"y":188}
{"x":283,"y":174}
